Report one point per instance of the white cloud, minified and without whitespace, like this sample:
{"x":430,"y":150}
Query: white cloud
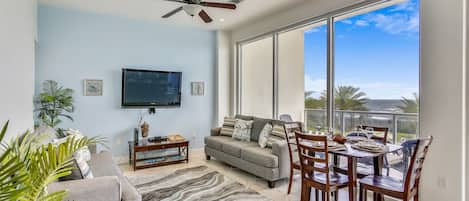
{"x":406,"y":6}
{"x":346,"y":21}
{"x":317,"y":85}
{"x":313,"y":30}
{"x":397,"y":23}
{"x":362,"y":23}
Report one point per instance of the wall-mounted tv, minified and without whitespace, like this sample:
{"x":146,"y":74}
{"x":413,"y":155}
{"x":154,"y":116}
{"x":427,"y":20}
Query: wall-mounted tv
{"x":148,"y":88}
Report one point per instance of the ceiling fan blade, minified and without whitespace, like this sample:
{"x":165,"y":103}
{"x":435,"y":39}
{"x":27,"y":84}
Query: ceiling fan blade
{"x":205,"y":17}
{"x":218,"y":5}
{"x":172,"y":12}
{"x":178,"y":1}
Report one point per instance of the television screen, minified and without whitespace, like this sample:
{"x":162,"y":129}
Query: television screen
{"x":151,"y":88}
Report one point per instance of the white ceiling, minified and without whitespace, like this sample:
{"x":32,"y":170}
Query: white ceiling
{"x":153,"y":10}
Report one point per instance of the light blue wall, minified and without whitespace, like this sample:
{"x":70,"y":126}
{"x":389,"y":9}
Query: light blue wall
{"x":76,"y":45}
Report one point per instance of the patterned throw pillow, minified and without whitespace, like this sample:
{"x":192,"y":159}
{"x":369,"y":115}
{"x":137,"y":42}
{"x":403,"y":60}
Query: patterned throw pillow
{"x":228,"y":126}
{"x":83,"y":166}
{"x":277,"y":135}
{"x":264,"y":135}
{"x":242,"y":130}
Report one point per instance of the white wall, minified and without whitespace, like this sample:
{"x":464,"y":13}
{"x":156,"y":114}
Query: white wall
{"x":76,"y":45}
{"x":17,"y":33}
{"x":224,"y":80}
{"x":442,"y":106}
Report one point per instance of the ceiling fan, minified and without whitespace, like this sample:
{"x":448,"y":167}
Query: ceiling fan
{"x":195,"y":7}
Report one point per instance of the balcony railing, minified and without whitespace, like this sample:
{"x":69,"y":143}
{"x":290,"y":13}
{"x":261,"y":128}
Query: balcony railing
{"x":401,"y":125}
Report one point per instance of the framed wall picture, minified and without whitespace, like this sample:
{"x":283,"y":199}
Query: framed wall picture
{"x":197,"y":88}
{"x":93,"y":87}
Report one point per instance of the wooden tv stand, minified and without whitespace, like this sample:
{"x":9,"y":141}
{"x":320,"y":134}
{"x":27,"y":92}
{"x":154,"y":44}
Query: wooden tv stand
{"x":158,"y":143}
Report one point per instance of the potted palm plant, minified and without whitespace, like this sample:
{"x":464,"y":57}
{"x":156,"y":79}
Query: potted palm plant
{"x":26,"y":168}
{"x":53,"y":103}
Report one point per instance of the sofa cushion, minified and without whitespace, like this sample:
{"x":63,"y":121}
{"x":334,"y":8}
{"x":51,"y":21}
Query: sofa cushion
{"x":234,"y":147}
{"x":242,"y":130}
{"x":244,"y":117}
{"x":215,"y":142}
{"x":257,"y":127}
{"x":228,"y":126}
{"x":260,"y":156}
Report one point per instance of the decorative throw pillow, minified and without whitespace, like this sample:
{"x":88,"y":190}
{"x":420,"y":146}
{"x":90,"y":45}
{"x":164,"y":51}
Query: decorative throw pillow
{"x":75,"y":173}
{"x":83,"y":166}
{"x":277,"y":135}
{"x":264,"y":135}
{"x":242,"y":130}
{"x":228,"y":126}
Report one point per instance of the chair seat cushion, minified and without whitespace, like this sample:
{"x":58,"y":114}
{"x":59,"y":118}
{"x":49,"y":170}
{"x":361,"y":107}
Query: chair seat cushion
{"x":234,"y":147}
{"x":216,"y":142}
{"x":259,"y":156}
{"x":383,"y":182}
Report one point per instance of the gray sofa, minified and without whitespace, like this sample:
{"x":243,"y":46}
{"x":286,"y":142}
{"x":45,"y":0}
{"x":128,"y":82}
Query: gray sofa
{"x":108,"y":184}
{"x":271,"y":164}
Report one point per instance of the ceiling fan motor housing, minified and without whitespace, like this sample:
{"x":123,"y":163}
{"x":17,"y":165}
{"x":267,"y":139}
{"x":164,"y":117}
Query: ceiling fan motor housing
{"x":192,"y":9}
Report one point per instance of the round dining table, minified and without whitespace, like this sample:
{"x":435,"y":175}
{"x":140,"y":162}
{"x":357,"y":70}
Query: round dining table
{"x":352,"y":154}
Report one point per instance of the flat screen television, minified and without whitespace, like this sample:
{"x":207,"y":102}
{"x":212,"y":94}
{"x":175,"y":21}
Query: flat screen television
{"x":147,"y":88}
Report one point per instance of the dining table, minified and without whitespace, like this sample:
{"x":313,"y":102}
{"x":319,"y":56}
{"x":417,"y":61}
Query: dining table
{"x":353,"y":154}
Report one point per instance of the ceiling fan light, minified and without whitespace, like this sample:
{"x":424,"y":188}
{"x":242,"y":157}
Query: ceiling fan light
{"x":192,"y":9}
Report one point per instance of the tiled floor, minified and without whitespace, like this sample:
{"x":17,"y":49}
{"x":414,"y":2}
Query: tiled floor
{"x":197,"y":158}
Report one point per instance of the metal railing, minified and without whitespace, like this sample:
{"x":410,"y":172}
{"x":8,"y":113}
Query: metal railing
{"x":401,"y":125}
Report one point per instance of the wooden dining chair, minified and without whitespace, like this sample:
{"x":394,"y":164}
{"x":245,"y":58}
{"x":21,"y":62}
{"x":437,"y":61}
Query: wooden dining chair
{"x":291,"y":127}
{"x":389,"y":186}
{"x":383,"y":139}
{"x":315,"y":170}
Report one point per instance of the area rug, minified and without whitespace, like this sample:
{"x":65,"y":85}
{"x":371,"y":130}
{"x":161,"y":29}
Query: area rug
{"x":193,"y":184}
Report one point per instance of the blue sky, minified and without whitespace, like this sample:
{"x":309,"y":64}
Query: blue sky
{"x":376,"y":51}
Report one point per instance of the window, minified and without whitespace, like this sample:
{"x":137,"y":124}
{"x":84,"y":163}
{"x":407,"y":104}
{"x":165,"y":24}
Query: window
{"x":362,"y":69}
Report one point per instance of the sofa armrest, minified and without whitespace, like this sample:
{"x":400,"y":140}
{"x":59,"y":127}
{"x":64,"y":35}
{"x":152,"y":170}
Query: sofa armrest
{"x":215,"y":131}
{"x":99,"y":188}
{"x":280,"y":149}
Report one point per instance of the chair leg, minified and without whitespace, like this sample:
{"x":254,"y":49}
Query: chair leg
{"x":290,"y":181}
{"x":362,"y":194}
{"x":416,"y":196}
{"x":336,"y":196}
{"x":316,"y":195}
{"x":305,"y":193}
{"x":323,"y":194}
{"x":387,"y":171}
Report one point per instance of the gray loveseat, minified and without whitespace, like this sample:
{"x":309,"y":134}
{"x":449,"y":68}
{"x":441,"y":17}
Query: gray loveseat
{"x":108,"y":184}
{"x":270,"y":164}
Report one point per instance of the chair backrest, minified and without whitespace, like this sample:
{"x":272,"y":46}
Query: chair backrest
{"x":292,"y":127}
{"x":385,"y":130}
{"x":408,"y":148}
{"x":285,"y":118}
{"x":312,"y":151}
{"x":416,"y":163}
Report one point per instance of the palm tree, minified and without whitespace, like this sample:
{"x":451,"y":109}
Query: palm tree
{"x":26,"y":168}
{"x":410,"y":105}
{"x":348,"y":98}
{"x":313,"y":103}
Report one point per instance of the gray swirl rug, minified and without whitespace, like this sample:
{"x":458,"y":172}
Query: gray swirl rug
{"x":193,"y":184}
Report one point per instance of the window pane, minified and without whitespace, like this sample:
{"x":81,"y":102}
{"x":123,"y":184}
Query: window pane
{"x":303,"y":74}
{"x":377,"y":69}
{"x":257,"y":78}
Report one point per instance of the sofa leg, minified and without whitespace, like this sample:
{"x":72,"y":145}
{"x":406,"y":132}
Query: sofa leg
{"x":271,"y":184}
{"x":207,"y":157}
